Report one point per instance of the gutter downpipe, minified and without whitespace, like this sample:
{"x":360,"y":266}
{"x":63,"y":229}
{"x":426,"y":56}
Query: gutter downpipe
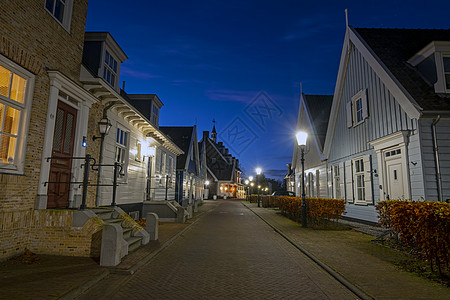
{"x":436,"y":157}
{"x":100,"y":159}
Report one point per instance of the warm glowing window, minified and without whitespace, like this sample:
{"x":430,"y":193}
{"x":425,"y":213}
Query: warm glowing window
{"x":12,"y":98}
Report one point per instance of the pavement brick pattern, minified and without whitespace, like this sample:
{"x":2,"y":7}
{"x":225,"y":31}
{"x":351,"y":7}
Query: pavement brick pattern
{"x":228,"y":254}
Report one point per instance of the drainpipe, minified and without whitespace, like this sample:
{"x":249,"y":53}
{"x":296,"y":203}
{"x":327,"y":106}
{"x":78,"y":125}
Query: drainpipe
{"x":436,"y":157}
{"x":100,"y":159}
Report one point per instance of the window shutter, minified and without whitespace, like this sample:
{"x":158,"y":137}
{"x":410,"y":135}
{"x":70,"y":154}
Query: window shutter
{"x":368,"y":179}
{"x":365,"y":109}
{"x":349,"y":114}
{"x":342,"y":183}
{"x":330,"y":181}
{"x":317,"y":183}
{"x":157,"y":160}
{"x":348,"y":181}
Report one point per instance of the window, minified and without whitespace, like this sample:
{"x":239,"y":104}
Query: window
{"x":357,"y":110}
{"x":61,"y":10}
{"x":110,"y":69}
{"x":337,"y":182}
{"x":446,"y":61}
{"x":155,"y":114}
{"x":170,"y":165}
{"x":360,"y":193}
{"x":122,"y":151}
{"x":162,"y":165}
{"x":15,"y":100}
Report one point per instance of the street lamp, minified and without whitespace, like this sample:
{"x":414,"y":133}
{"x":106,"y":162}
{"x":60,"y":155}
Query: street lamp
{"x":206,"y":190}
{"x":301,"y":142}
{"x":258,"y":172}
{"x":104,"y":125}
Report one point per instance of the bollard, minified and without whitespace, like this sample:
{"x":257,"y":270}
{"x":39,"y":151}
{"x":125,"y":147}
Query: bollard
{"x":151,"y":226}
{"x":111,"y":251}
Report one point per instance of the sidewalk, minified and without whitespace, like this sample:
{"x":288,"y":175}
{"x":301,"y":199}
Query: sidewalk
{"x":52,"y":277}
{"x":351,"y":254}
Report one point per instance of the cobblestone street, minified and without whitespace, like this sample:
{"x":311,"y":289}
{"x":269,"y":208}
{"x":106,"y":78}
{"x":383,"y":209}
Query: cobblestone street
{"x":228,"y":253}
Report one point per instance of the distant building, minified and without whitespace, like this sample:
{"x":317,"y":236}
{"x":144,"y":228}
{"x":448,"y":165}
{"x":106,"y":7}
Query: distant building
{"x":189,"y":186}
{"x":223,"y":172}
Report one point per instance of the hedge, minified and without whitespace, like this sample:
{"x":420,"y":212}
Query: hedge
{"x":317,"y":208}
{"x":424,"y":224}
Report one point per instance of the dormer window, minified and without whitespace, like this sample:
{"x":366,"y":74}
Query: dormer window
{"x":446,"y":61}
{"x":110,"y":69}
{"x":433,"y":63}
{"x":155,"y":114}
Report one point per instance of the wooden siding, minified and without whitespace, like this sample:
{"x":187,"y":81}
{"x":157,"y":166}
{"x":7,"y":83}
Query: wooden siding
{"x":428,"y":160}
{"x":385,"y":114}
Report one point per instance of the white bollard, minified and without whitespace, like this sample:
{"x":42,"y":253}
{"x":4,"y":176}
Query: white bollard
{"x":151,"y":226}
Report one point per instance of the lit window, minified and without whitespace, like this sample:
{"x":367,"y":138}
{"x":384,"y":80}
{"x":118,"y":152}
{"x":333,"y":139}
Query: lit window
{"x":61,"y":10}
{"x":110,"y":69}
{"x":14,"y":103}
{"x":121,"y":154}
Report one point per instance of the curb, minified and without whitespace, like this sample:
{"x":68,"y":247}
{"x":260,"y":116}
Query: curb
{"x":77,"y":291}
{"x":355,"y":290}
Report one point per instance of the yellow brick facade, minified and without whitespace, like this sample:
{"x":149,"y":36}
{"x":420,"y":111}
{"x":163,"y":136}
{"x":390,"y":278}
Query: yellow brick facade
{"x":32,"y":38}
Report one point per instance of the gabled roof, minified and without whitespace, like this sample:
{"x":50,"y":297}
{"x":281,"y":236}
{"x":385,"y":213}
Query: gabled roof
{"x":182,"y":137}
{"x":394,"y":47}
{"x":319,"y":107}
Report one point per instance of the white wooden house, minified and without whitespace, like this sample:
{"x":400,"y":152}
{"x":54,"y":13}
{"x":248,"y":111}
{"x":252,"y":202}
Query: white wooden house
{"x":147,"y":156}
{"x":314,"y":112}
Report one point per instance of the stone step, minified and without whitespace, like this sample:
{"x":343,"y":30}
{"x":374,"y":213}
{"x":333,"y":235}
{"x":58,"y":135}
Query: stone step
{"x":103,"y":213}
{"x":134,"y":242}
{"x":127,"y":233}
{"x":112,"y":220}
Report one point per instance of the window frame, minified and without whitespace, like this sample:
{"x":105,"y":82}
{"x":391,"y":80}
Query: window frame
{"x":24,"y":120}
{"x":336,"y":181}
{"x":445,"y":73}
{"x":125,"y":149}
{"x":359,"y":115}
{"x":67,"y":13}
{"x":107,"y":68}
{"x":358,"y":178}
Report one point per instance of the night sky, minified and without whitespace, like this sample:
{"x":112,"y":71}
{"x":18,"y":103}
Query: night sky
{"x":242,"y":62}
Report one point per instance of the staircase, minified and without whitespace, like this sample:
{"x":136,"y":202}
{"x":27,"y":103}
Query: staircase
{"x":116,"y":216}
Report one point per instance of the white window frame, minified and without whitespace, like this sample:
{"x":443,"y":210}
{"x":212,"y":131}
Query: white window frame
{"x":446,"y":84}
{"x":124,"y":147}
{"x":155,"y":114}
{"x":357,"y":116}
{"x":359,"y":180}
{"x":107,"y":68}
{"x":17,"y":167}
{"x":67,"y":14}
{"x":337,"y":177}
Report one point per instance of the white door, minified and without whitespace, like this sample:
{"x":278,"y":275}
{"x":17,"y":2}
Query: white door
{"x":395,"y":181}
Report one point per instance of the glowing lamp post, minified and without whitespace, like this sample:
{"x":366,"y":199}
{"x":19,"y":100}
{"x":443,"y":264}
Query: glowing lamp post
{"x":258,"y":172}
{"x":301,"y":142}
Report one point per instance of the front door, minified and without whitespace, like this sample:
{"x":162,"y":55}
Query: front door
{"x":63,"y":144}
{"x":394,"y":179}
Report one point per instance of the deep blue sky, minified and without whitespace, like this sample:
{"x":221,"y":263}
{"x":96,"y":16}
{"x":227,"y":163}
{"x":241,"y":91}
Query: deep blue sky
{"x":211,"y":59}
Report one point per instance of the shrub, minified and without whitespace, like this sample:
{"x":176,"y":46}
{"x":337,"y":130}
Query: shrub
{"x":317,"y":209}
{"x":424,"y":224}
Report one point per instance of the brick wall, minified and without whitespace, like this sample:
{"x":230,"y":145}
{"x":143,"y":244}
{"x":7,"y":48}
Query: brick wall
{"x":32,"y":38}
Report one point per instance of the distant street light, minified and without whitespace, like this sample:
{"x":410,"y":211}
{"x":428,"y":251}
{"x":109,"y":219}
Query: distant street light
{"x":258,"y":171}
{"x":301,"y":141}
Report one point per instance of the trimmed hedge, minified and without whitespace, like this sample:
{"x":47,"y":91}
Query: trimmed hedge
{"x":318,"y":209}
{"x":424,"y":224}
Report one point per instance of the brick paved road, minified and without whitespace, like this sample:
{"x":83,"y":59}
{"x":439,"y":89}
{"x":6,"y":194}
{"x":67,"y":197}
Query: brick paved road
{"x":228,"y":254}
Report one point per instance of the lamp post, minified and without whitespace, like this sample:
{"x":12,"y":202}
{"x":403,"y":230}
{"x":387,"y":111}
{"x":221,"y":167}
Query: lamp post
{"x":247,"y":182}
{"x":104,"y":125}
{"x":258,"y":172}
{"x":301,"y":141}
{"x":206,"y":191}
